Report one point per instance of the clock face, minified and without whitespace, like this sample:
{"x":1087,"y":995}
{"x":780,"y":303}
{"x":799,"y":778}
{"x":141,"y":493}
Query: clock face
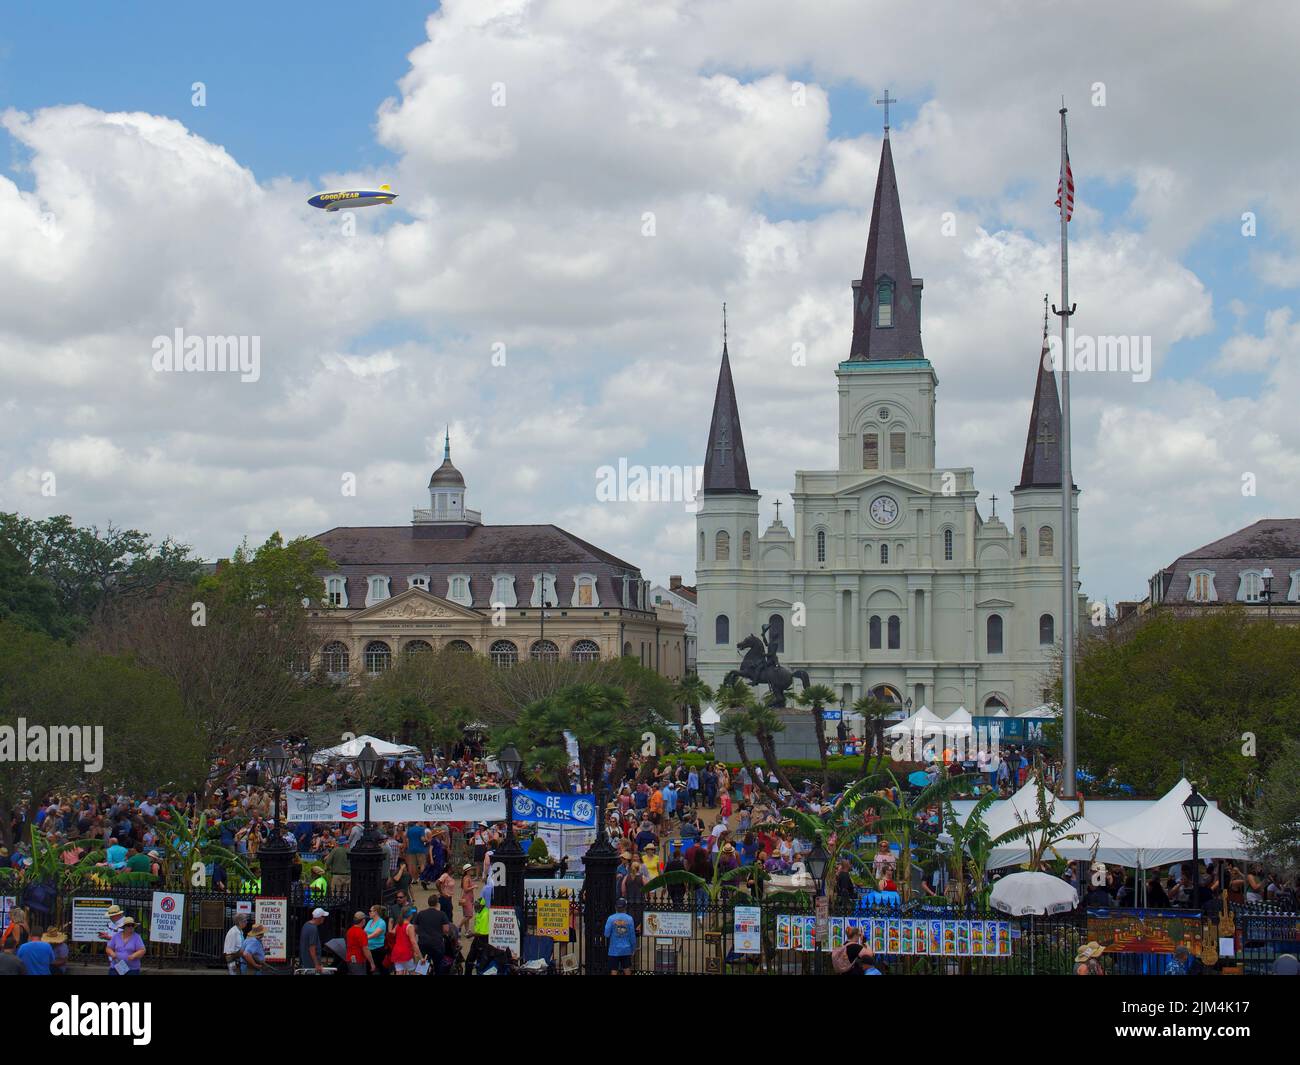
{"x":884,"y":510}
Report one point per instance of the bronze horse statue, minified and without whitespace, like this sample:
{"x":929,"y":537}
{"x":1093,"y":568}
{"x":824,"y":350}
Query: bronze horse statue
{"x":759,"y":666}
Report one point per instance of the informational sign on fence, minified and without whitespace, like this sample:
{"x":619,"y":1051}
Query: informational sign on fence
{"x":89,"y":919}
{"x":167,"y":917}
{"x":7,"y":903}
{"x":503,"y":930}
{"x":668,"y":925}
{"x":553,"y":919}
{"x":748,"y":926}
{"x":273,"y":915}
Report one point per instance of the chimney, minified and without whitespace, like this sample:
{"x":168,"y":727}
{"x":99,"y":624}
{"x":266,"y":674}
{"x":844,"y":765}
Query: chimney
{"x":674,"y":582}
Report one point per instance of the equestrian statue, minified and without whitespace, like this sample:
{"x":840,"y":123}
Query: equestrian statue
{"x":759,"y":666}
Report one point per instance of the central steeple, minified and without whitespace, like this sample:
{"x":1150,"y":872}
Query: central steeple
{"x":725,"y":468}
{"x":887,"y":301}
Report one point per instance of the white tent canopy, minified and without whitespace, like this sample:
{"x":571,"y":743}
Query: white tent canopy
{"x":351,"y":750}
{"x":1022,"y":807}
{"x":709,"y":715}
{"x":1161,"y":834}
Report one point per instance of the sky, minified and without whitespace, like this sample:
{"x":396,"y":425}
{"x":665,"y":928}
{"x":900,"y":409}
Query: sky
{"x":582,"y":184}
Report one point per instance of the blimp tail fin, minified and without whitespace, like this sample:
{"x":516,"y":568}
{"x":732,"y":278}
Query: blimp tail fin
{"x":385,"y":188}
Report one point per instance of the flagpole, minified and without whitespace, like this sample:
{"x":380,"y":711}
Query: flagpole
{"x":1068,"y":607}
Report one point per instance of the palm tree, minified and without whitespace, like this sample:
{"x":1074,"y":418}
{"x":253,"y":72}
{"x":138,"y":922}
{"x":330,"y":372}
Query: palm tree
{"x":691,"y":693}
{"x":876,"y":712}
{"x":816,"y":698}
{"x":739,"y":705}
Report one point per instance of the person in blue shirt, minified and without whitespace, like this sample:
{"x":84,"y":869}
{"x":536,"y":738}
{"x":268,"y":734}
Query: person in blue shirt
{"x":620,"y":933}
{"x":115,"y":855}
{"x":38,"y":956}
{"x":670,"y":800}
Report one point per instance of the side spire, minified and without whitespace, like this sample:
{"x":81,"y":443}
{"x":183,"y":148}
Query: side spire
{"x":887,"y":301}
{"x":1042,"y":465}
{"x":725,"y":468}
{"x":446,"y":445}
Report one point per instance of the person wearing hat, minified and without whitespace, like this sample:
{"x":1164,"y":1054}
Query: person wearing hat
{"x":320,"y":884}
{"x":252,"y":952}
{"x":113,"y":918}
{"x":58,"y":941}
{"x":620,"y":934}
{"x":1086,"y":962}
{"x":125,"y":950}
{"x":309,"y":944}
{"x":233,"y":948}
{"x":357,"y":956}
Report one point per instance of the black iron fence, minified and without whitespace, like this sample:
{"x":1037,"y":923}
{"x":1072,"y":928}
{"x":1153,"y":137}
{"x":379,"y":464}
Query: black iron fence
{"x":1264,"y":933}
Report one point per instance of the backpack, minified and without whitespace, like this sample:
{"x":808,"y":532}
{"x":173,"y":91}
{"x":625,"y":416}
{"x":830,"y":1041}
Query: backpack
{"x":840,"y":960}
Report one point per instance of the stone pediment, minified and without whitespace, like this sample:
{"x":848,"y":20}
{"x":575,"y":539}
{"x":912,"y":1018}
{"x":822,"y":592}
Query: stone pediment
{"x":880,"y":481}
{"x":995,"y":601}
{"x":415,"y":604}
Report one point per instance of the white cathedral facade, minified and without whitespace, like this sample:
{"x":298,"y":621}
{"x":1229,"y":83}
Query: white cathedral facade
{"x":904,"y":589}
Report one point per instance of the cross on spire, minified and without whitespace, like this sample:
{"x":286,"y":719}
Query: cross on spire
{"x":778,"y":512}
{"x":724,"y":324}
{"x":1044,"y":319}
{"x":1045,"y":437}
{"x":995,"y":505}
{"x":723,"y":447}
{"x":886,"y":101}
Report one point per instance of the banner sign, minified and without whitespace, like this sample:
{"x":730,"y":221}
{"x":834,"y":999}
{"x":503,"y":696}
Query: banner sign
{"x":555,"y":808}
{"x":273,"y":915}
{"x":503,"y":929}
{"x":394,"y":804}
{"x":167,"y":917}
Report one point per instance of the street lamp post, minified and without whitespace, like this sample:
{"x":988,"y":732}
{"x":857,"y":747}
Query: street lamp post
{"x":366,"y":856}
{"x":1194,"y":807}
{"x":817,"y":862}
{"x":509,"y":854}
{"x":275,"y":855}
{"x":1266,"y":577}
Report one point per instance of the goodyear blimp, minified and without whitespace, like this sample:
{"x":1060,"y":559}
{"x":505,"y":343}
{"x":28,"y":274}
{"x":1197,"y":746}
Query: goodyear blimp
{"x":334,"y":201}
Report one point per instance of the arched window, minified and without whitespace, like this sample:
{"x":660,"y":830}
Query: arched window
{"x":821,"y":545}
{"x":334,"y":657}
{"x":701,"y":545}
{"x":627,"y":650}
{"x":993,"y":631}
{"x":1046,"y":630}
{"x":721,"y":629}
{"x":870,"y":451}
{"x":873,"y":632}
{"x":503,"y":653}
{"x":1024,"y":543}
{"x":544,"y":651}
{"x":1045,"y":542}
{"x":585,"y":651}
{"x":776,"y":633}
{"x":993,"y":704}
{"x":885,"y":303}
{"x":336,"y":591}
{"x":947,"y":545}
{"x":300,"y":663}
{"x":417,"y":647}
{"x":746,"y":548}
{"x":461,"y":646}
{"x":884,"y":554}
{"x":378,"y":657}
{"x":722,"y":546}
{"x":895,"y":632}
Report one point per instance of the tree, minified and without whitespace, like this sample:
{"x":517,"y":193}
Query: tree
{"x":875,"y":713}
{"x":817,"y":698}
{"x":1273,"y":828}
{"x":737,"y":723}
{"x":759,"y":720}
{"x":28,"y":599}
{"x":1213,"y":697}
{"x":275,"y":578}
{"x":426,"y":699}
{"x":691,"y":693}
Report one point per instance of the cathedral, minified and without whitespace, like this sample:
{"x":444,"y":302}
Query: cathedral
{"x":888,"y":581}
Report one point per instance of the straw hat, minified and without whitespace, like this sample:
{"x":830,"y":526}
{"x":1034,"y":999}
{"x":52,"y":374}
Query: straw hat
{"x":113,"y":911}
{"x":1091,"y":949}
{"x":257,"y":931}
{"x":53,"y":935}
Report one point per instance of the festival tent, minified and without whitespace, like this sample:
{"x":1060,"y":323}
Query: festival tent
{"x":924,"y":716}
{"x":709,"y":715}
{"x":1161,"y":835}
{"x":1111,"y":846}
{"x":351,"y":750}
{"x":1044,"y":710}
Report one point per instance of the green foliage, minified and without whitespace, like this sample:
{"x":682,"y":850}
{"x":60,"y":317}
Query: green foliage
{"x":538,"y":854}
{"x":1274,"y":823}
{"x":275,"y":578}
{"x":1177,"y":698}
{"x":185,"y":841}
{"x":426,"y":699}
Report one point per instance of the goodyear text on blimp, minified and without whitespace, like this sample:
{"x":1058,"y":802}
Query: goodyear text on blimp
{"x":208,"y":354}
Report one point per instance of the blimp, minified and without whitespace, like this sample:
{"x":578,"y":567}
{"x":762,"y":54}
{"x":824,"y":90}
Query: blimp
{"x":333,"y":201}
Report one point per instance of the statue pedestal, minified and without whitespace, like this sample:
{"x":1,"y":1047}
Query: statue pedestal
{"x":799,"y":740}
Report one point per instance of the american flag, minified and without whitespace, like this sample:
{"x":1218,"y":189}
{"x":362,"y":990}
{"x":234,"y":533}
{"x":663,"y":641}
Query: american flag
{"x":1066,"y":183}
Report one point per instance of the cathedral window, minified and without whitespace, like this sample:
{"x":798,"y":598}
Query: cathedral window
{"x":993,"y":634}
{"x":895,"y":632}
{"x":947,"y":545}
{"x":722,"y":546}
{"x":885,"y":304}
{"x":873,"y":632}
{"x":378,"y":657}
{"x":1045,"y":542}
{"x":721,"y":629}
{"x":1046,"y":630}
{"x":897,"y":451}
{"x":1024,"y":543}
{"x":884,"y":554}
{"x":821,"y":545}
{"x":460,"y":647}
{"x":746,"y":547}
{"x":870,"y":451}
{"x":417,"y":647}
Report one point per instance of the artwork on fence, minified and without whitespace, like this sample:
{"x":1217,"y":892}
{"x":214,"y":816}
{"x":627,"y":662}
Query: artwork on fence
{"x":1145,"y":931}
{"x":901,"y":935}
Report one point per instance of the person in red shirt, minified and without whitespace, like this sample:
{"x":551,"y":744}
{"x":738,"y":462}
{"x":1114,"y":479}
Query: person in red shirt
{"x":360,"y":960}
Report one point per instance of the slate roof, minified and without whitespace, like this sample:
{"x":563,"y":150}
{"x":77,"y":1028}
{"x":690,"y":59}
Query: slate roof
{"x":725,"y":468}
{"x":886,"y":257}
{"x":1271,"y":542}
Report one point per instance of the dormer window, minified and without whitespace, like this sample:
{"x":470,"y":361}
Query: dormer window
{"x":584,"y":590}
{"x":458,"y":590}
{"x":1251,"y":586}
{"x":336,"y":591}
{"x":544,"y":590}
{"x":418,"y":580}
{"x":1200,"y":587}
{"x":885,"y":303}
{"x":503,"y":589}
{"x":376,"y":590}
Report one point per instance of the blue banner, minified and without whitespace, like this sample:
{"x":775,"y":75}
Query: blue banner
{"x":555,"y":808}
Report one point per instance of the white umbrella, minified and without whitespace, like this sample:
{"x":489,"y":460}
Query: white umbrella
{"x":1033,"y":893}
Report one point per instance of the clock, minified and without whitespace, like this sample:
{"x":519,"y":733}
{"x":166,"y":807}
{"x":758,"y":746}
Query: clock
{"x":884,"y":511}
